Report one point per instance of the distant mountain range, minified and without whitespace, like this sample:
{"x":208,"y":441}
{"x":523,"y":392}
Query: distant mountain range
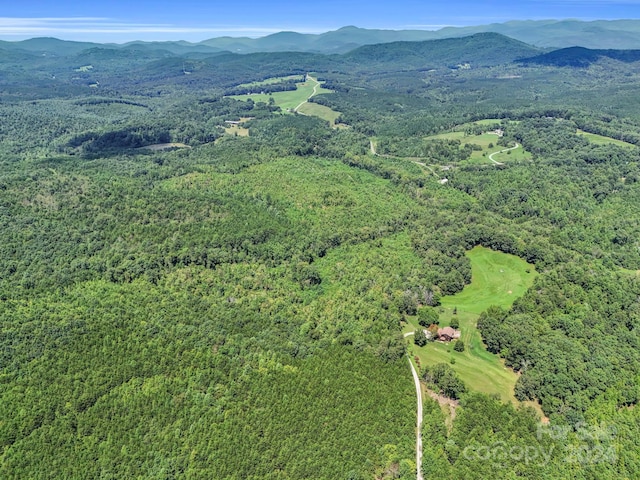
{"x":551,"y":34}
{"x":619,"y":34}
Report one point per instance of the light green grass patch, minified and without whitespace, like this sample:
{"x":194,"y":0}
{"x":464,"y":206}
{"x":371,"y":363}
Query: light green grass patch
{"x":270,"y":81}
{"x":489,"y":144}
{"x":513,"y":155}
{"x":602,"y":140}
{"x":288,"y":100}
{"x":486,"y":121}
{"x":320,"y":111}
{"x":236,"y":130}
{"x":497,"y":279}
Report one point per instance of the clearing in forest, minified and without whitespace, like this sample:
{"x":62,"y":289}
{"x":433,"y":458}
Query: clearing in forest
{"x":497,"y":279}
{"x":488,"y":143}
{"x":320,"y":111}
{"x":602,"y":140}
{"x":296,"y":99}
{"x":164,"y":146}
{"x":237,"y":128}
{"x":270,"y":81}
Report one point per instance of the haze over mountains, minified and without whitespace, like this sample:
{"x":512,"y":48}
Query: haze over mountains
{"x":55,"y":65}
{"x":601,"y":34}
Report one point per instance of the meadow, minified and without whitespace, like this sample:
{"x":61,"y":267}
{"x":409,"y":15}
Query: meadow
{"x":602,"y":140}
{"x":497,"y":279}
{"x":290,"y":99}
{"x":489,"y":145}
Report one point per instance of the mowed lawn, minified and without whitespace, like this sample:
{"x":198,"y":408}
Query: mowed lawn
{"x":489,"y":144}
{"x":497,"y":279}
{"x":602,"y":140}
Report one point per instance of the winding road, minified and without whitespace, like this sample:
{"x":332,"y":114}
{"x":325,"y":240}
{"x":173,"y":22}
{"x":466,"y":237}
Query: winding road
{"x":502,"y":151}
{"x":416,"y":381}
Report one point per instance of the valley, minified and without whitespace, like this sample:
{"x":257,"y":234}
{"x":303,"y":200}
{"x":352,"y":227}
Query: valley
{"x":214,"y":264}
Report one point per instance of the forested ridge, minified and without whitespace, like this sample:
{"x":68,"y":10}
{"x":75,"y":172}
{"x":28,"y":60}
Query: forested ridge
{"x":232,"y":307}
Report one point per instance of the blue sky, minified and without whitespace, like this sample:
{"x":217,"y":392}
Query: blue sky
{"x":193,"y":20}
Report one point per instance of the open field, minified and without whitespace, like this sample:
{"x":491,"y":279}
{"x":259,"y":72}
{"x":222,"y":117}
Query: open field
{"x":488,"y":143}
{"x":486,"y":121}
{"x":497,"y":279}
{"x":270,"y":81}
{"x":286,"y":100}
{"x":237,"y":129}
{"x":601,"y":140}
{"x":321,"y":111}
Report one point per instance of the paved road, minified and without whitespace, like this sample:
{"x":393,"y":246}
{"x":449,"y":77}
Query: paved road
{"x":416,"y":381}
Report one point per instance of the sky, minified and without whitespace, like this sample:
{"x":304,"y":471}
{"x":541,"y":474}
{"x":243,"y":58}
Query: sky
{"x":193,"y":20}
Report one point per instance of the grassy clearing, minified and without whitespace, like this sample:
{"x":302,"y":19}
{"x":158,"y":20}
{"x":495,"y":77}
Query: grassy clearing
{"x":288,"y":101}
{"x":497,"y":279}
{"x":321,"y":111}
{"x":237,"y":130}
{"x":512,"y":155}
{"x":270,"y":81}
{"x":488,"y":143}
{"x":487,"y":121}
{"x":285,"y":100}
{"x":601,"y":140}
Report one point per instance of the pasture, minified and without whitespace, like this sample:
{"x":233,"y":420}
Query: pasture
{"x":272,"y":80}
{"x":288,"y":100}
{"x":602,"y":140}
{"x":320,"y":111}
{"x":487,"y":142}
{"x":497,"y":279}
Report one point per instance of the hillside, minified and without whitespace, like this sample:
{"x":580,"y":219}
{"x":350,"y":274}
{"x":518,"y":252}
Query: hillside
{"x":482,"y":49}
{"x":582,"y":57}
{"x":197,"y":283}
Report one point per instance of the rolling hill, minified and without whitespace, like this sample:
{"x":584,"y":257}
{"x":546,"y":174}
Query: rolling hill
{"x":482,"y":49}
{"x":582,"y":57}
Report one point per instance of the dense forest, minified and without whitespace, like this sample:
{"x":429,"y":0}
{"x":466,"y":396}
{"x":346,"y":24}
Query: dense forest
{"x":179,"y":299}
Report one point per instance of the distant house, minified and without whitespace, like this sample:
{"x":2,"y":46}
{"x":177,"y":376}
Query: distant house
{"x":447,"y":334}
